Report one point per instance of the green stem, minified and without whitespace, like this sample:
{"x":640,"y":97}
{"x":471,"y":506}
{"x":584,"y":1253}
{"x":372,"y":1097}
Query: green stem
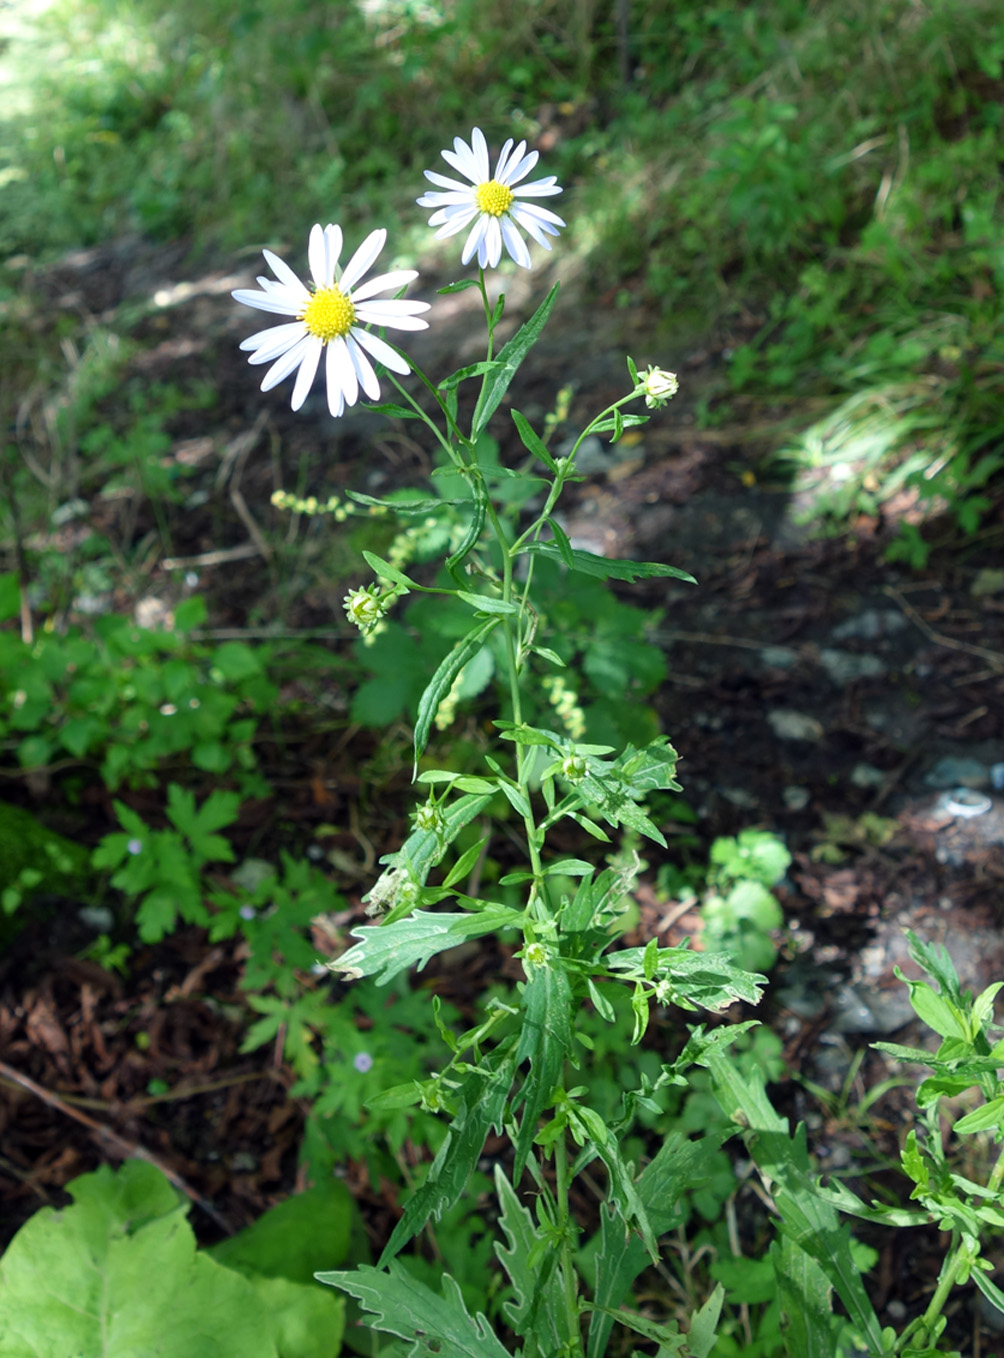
{"x":568,"y":1277}
{"x":963,"y":1257}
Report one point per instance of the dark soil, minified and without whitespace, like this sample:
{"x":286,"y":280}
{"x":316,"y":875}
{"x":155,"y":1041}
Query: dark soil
{"x":813,"y":689}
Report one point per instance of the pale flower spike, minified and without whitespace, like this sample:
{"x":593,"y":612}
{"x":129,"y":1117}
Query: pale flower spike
{"x":331,"y":315}
{"x":491,"y":202}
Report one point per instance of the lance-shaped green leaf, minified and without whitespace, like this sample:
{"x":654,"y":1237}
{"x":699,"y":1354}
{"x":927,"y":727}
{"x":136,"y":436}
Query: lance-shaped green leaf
{"x":545,"y":1040}
{"x":804,"y":1291}
{"x":487,"y":603}
{"x":507,"y":361}
{"x":691,"y":979}
{"x":383,"y":570}
{"x":536,"y":1315}
{"x":784,"y":1163}
{"x":474,"y":528}
{"x":407,"y":1308}
{"x":385,"y":950}
{"x":404,"y":507}
{"x":481,"y":1105}
{"x":587,"y":563}
{"x":442,"y":681}
{"x":680,"y":1165}
{"x":532,"y":442}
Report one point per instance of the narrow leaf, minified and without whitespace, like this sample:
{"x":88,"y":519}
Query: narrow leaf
{"x":442,"y":681}
{"x":587,"y":563}
{"x":385,"y":571}
{"x":507,"y":361}
{"x":532,"y":442}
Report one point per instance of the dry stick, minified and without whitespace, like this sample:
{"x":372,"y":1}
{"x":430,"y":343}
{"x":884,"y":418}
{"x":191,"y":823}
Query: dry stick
{"x":104,"y":1136}
{"x":993,"y":658}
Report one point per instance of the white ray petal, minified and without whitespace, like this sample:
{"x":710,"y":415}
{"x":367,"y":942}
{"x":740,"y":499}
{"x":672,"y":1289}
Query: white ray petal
{"x":474,"y":240}
{"x":381,"y":351}
{"x":479,"y":151}
{"x":281,"y":304}
{"x":266,"y":352}
{"x":515,"y":243}
{"x":364,"y":368}
{"x":362,"y":259}
{"x":445,"y":182}
{"x":541,"y":214}
{"x":522,"y":168}
{"x":531,"y":226}
{"x":284,"y":273}
{"x":280,"y":334}
{"x":317,"y":257}
{"x":308,"y":370}
{"x":285,"y":365}
{"x":457,"y":223}
{"x":540,"y":188}
{"x":446,"y":199}
{"x":462,"y":164}
{"x":336,"y":401}
{"x":344,"y":368}
{"x":333,"y":249}
{"x":396,"y":279}
{"x":491,"y":246}
{"x":501,"y":162}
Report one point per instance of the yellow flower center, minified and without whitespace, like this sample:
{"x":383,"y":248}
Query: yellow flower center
{"x":494,"y":198}
{"x":329,"y":314}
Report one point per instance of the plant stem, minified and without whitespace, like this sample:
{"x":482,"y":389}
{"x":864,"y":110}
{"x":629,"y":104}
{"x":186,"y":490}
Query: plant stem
{"x":569,"y":1280}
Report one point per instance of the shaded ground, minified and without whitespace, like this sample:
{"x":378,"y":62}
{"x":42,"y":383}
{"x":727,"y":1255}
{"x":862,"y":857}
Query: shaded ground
{"x":814,"y":690}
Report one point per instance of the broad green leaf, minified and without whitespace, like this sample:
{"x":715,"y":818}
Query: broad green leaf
{"x":807,"y":1320}
{"x":117,"y":1275}
{"x":598,"y":566}
{"x":784,"y":1163}
{"x":385,"y":950}
{"x":442,"y":681}
{"x":981,"y":1119}
{"x":482,"y":1101}
{"x":407,"y":1308}
{"x":680,"y":1165}
{"x":934,"y":1010}
{"x":545,"y":1040}
{"x":704,"y":1325}
{"x":294,"y":1236}
{"x":507,"y":361}
{"x":537,"y":1313}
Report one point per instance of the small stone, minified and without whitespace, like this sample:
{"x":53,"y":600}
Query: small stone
{"x":847,"y":667}
{"x":951,"y":772}
{"x":779,"y":657}
{"x":870,"y":625}
{"x":795,"y":798}
{"x":996,"y":772}
{"x":788,"y":725}
{"x":867,"y":775}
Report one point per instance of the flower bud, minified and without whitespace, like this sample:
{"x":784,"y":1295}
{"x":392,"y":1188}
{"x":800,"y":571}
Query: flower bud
{"x":660,"y":387}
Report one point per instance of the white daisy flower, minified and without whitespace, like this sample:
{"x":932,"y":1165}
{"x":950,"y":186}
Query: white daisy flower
{"x":492,"y":202}
{"x":330,"y":315}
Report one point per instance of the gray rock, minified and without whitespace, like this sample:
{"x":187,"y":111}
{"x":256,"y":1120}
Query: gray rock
{"x":951,"y":771}
{"x":870,"y":625}
{"x":795,"y":798}
{"x":846,"y":667}
{"x":867,"y":775}
{"x":779,"y":657}
{"x":789,"y":725}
